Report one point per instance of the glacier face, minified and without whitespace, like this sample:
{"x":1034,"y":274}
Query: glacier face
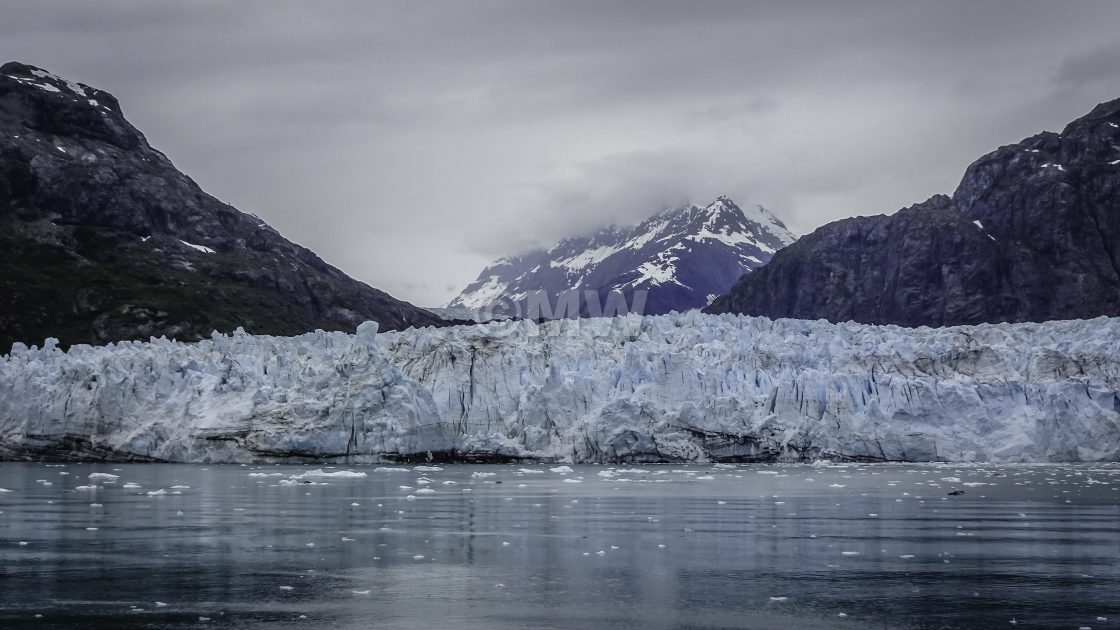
{"x":678,"y":387}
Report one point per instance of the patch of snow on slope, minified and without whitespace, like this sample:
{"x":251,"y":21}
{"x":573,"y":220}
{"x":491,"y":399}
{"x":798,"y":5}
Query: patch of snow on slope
{"x":481,"y":297}
{"x":70,"y":85}
{"x":201,"y":248}
{"x":653,"y":273}
{"x":585,"y":258}
{"x":47,"y":87}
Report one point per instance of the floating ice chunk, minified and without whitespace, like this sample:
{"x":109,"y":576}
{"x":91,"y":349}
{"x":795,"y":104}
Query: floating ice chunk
{"x":319,"y":473}
{"x":482,"y":475}
{"x":572,"y":481}
{"x":563,"y":470}
{"x":89,"y":488}
{"x":156,"y":493}
{"x":427,"y":468}
{"x":99,"y":476}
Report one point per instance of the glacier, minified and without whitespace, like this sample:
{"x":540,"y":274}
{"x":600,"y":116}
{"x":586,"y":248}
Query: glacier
{"x":669,"y":388}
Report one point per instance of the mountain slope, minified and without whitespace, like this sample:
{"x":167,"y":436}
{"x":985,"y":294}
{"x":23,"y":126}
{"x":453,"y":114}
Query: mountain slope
{"x":102,"y":239}
{"x":1032,"y":233}
{"x":678,"y":260}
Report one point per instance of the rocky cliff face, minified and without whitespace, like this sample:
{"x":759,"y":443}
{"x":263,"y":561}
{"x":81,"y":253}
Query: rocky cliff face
{"x":677,"y":260}
{"x":1031,"y":234}
{"x":102,"y":239}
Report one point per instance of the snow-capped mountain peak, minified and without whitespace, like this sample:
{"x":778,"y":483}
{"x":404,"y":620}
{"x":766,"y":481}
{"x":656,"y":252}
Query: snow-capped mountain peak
{"x":678,"y":259}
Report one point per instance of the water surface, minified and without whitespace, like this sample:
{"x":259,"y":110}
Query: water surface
{"x":876,"y":546}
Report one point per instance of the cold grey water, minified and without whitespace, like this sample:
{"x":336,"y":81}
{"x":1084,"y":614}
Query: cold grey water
{"x":538,"y":546}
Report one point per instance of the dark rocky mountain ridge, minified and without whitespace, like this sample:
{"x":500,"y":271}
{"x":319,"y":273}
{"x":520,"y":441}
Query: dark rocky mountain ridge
{"x":1032,"y":233}
{"x":103,"y":239}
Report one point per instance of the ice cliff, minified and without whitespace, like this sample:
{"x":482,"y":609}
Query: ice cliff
{"x":685,"y":387}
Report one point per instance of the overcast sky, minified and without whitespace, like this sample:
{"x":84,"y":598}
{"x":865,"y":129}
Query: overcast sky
{"x":410,"y":143}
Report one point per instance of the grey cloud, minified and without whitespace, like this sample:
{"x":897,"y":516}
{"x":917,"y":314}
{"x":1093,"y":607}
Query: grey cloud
{"x":1101,"y":64}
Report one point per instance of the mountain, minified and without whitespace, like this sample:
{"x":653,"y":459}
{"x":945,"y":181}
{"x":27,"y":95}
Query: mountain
{"x":681,"y":258}
{"x":102,"y":239}
{"x":1032,"y":233}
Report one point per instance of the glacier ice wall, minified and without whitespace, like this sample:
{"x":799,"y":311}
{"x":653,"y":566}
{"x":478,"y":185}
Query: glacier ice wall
{"x":678,"y":387}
